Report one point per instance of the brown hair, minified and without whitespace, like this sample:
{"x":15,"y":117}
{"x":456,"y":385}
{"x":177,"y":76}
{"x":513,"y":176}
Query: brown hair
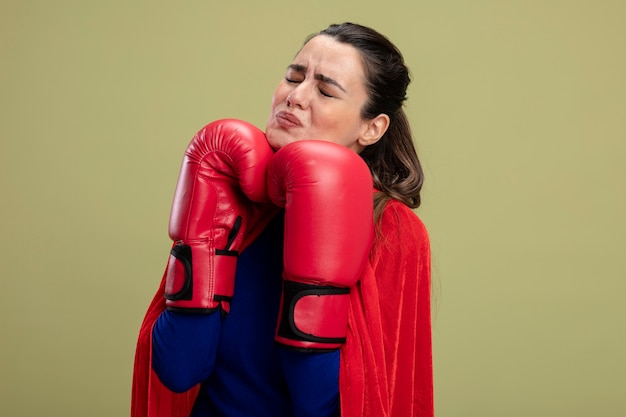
{"x":393,"y":160}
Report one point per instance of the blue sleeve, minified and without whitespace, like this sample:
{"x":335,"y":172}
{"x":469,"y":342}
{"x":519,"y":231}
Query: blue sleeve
{"x":184,"y":348}
{"x":313,"y":380}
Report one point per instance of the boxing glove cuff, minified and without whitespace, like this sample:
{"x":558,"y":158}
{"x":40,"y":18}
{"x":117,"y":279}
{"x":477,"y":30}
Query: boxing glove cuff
{"x":313,"y":317}
{"x":215,"y":280}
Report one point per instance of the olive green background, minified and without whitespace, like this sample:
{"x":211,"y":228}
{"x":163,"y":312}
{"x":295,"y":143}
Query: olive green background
{"x":519,"y":112}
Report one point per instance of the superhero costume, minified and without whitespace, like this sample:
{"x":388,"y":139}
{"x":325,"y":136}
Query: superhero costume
{"x":386,"y":362}
{"x":401,"y":372}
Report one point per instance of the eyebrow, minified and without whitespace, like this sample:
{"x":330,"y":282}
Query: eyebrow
{"x":321,"y":77}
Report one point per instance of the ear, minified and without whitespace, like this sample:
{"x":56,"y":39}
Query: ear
{"x":374,"y":129}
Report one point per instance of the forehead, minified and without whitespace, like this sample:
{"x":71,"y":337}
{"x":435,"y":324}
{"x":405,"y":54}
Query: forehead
{"x":326,"y":56}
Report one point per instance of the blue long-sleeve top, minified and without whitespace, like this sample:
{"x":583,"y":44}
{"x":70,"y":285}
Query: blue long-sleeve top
{"x":242,"y":371}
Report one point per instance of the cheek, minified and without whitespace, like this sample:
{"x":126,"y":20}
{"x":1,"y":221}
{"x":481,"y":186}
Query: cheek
{"x":273,"y":103}
{"x":280,"y":95}
{"x":276,"y":100}
{"x":339,"y":124}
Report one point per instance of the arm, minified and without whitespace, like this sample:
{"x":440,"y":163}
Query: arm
{"x":183,"y":348}
{"x":326,"y":190}
{"x":313,"y":380}
{"x":222,"y":173}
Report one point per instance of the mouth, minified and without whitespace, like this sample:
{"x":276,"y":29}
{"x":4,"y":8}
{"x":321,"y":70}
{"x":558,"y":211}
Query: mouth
{"x":286,"y":119}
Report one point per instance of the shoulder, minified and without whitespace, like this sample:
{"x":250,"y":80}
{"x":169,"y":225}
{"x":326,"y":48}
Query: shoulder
{"x":398,"y":221}
{"x":400,"y":256}
{"x":400,"y":235}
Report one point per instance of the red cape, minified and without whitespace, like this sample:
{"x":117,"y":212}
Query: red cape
{"x":149,"y":397}
{"x":386,"y":363}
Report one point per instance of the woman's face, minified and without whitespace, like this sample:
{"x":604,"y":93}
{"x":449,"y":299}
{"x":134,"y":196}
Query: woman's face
{"x":321,"y":97}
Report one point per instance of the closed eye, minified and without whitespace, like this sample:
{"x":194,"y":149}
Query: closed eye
{"x":325,"y":94}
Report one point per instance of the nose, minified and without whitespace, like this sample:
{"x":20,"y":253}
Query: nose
{"x":299,"y":96}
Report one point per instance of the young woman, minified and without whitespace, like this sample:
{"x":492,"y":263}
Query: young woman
{"x":346,"y":86}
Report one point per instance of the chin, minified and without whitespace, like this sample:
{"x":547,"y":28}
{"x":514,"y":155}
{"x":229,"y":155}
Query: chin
{"x":277,"y":139}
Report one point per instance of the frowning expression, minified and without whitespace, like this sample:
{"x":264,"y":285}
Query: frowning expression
{"x":320,"y":97}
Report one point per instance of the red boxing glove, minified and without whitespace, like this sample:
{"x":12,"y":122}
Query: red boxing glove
{"x":326,"y":190}
{"x":222,"y":173}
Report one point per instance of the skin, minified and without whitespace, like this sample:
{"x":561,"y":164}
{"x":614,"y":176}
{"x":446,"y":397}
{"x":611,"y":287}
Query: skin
{"x":321,"y":97}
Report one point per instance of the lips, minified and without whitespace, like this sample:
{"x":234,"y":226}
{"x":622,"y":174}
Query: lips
{"x":286,"y":119}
